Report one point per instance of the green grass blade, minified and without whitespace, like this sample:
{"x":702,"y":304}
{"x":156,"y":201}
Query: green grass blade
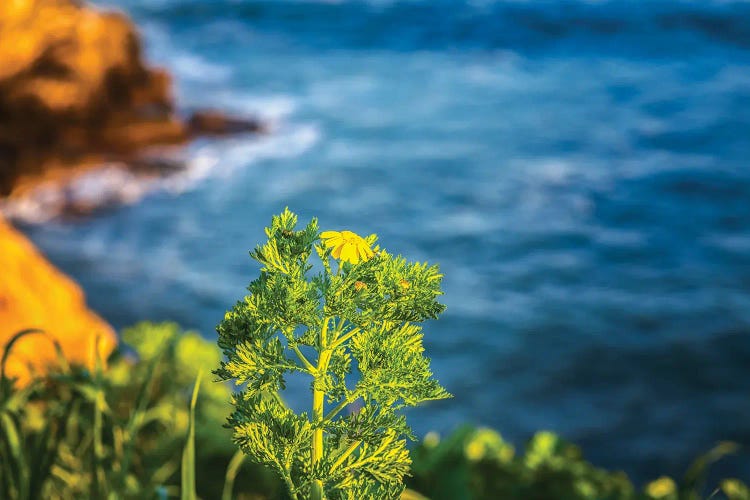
{"x":16,"y":452}
{"x":8,"y":488}
{"x":60,"y":355}
{"x":188,"y":455}
{"x":137,"y":416}
{"x":232,"y":469}
{"x":46,"y":452}
{"x":695,"y":477}
{"x":98,"y":475}
{"x":6,"y":353}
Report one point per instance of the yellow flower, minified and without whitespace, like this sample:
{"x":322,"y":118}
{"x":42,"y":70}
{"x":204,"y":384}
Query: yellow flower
{"x":661,"y":488}
{"x":474,"y":451}
{"x":347,"y":246}
{"x":359,"y":286}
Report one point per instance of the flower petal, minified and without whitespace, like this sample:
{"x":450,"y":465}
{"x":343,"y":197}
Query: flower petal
{"x":329,"y":234}
{"x":334,"y":241}
{"x":365,"y":252}
{"x":337,"y":252}
{"x":349,"y":254}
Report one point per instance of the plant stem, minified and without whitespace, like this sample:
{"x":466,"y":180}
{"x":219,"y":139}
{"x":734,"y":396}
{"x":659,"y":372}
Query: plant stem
{"x":345,"y":455}
{"x":317,"y":441}
{"x":335,"y":411}
{"x":351,"y":333}
{"x":301,"y":357}
{"x":232,"y":470}
{"x":324,"y":333}
{"x":98,"y":478}
{"x":290,"y":486}
{"x":316,"y":492}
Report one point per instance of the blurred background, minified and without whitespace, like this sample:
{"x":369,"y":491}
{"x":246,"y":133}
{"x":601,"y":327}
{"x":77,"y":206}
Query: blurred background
{"x":577,"y":168}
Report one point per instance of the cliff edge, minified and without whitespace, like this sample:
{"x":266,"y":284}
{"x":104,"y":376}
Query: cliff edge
{"x":35,"y":294}
{"x":73,"y":82}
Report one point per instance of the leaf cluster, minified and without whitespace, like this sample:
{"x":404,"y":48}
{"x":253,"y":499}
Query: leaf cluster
{"x":354,"y":330}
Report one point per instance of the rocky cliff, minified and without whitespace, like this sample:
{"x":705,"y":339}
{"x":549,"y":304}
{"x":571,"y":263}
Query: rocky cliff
{"x":75,"y":92}
{"x":34,"y":294}
{"x":73,"y":82}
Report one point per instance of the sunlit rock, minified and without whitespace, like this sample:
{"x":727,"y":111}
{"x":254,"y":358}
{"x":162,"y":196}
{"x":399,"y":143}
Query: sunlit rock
{"x":34,"y":294}
{"x":75,"y":96}
{"x":73,"y":82}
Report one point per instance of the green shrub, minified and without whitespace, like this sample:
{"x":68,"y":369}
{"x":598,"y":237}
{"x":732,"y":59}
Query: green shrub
{"x":355,"y":334}
{"x":477,"y":464}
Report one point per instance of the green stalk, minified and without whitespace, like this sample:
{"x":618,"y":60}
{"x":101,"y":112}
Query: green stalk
{"x":351,"y":333}
{"x":308,"y":366}
{"x":352,"y":447}
{"x":232,"y":470}
{"x":290,"y":486}
{"x":187,"y":483}
{"x":317,"y":442}
{"x":316,"y":492}
{"x":343,"y":404}
{"x":98,"y":478}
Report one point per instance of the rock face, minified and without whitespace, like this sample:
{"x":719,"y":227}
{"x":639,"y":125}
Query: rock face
{"x":211,"y":122}
{"x":34,"y":294}
{"x":72,"y":83}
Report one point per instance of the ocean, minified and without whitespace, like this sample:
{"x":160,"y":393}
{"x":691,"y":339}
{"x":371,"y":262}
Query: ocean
{"x":578,"y":169}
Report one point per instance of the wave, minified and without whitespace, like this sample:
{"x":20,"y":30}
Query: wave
{"x":660,"y":26}
{"x":223,"y":158}
{"x":118,"y":183}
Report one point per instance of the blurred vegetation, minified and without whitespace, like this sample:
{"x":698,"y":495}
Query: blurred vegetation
{"x":78,"y":434}
{"x":476,"y":463}
{"x":121,"y":432}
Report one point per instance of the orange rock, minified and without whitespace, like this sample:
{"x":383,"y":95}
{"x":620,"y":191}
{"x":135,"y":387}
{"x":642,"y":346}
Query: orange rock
{"x":35,"y":294}
{"x":63,"y":56}
{"x":73,"y":82}
{"x":75,"y":90}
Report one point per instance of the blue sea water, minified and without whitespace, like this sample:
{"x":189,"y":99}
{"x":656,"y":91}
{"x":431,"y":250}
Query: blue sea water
{"x":579,"y":170}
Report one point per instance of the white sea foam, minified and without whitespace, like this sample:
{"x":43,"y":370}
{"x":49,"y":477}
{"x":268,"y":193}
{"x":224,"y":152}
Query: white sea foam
{"x":116,"y":184}
{"x":270,"y":108}
{"x":186,"y":66}
{"x":112,"y":184}
{"x":191,"y":67}
{"x":222,"y":158}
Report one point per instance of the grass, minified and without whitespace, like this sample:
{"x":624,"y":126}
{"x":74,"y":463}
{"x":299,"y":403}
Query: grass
{"x":149,"y":427}
{"x":188,"y":455}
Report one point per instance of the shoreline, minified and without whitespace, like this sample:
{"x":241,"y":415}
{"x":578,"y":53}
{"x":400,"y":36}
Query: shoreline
{"x":77,"y":96}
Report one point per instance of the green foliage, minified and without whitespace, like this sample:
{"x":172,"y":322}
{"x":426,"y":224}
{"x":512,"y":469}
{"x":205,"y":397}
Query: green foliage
{"x":478,"y":464}
{"x":735,"y":489}
{"x":48,"y":433}
{"x":26,"y":459}
{"x":131,"y":430}
{"x":119,"y":432}
{"x":360,"y":327}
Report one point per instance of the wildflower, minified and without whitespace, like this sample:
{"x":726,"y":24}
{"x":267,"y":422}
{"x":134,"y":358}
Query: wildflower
{"x":734,"y":488}
{"x":360,"y":285}
{"x":486,"y":443}
{"x":404,"y":284}
{"x":474,"y":451}
{"x":347,"y":246}
{"x":662,"y":487}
